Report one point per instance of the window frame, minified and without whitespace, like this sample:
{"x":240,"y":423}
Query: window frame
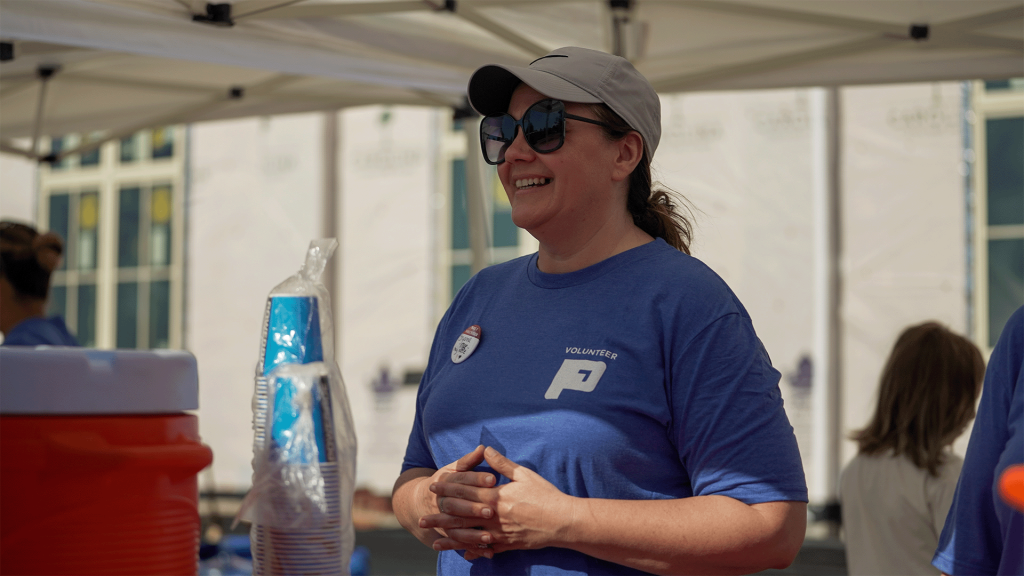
{"x":453,"y":148}
{"x":107,"y":178}
{"x":986,"y":105}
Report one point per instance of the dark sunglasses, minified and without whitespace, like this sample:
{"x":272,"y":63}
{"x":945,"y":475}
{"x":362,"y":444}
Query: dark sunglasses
{"x":543,"y":126}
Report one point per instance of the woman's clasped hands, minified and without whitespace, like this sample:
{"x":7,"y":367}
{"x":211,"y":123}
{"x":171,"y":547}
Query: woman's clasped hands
{"x":483,"y":518}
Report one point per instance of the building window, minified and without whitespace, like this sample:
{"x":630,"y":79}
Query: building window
{"x":75,"y":216}
{"x":999,"y":205}
{"x":58,"y":145}
{"x":130,"y":149}
{"x":143,"y":266}
{"x":91,"y":158}
{"x":162,"y":142}
{"x":120,"y":212}
{"x":88,"y":159}
{"x":504,"y":234}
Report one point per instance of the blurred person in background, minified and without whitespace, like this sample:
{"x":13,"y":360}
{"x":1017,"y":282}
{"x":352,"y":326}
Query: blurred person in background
{"x":984,"y":532}
{"x":27,"y":259}
{"x":602,"y":406}
{"x":896,"y":492}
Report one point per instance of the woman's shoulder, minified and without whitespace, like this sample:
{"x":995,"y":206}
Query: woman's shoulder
{"x":673,"y":266}
{"x":40,"y":332}
{"x":875,"y":464}
{"x":688,"y":281}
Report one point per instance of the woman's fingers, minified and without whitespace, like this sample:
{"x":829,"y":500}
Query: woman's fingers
{"x":471,"y":460}
{"x":501,"y":465}
{"x":457,"y":491}
{"x":457,"y":513}
{"x":471,"y":537}
{"x":476,"y":543}
{"x":482,"y":479}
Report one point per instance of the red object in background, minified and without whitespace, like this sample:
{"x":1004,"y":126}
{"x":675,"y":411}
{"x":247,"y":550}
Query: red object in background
{"x":1011,"y":486}
{"x":100,"y":494}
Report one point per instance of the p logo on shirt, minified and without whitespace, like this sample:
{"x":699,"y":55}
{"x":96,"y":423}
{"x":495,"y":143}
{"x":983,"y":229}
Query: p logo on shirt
{"x":580,"y":375}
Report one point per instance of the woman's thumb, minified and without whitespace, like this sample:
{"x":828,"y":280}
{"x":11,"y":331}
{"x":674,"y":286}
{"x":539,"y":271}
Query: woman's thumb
{"x":471,"y":460}
{"x":502,"y":465}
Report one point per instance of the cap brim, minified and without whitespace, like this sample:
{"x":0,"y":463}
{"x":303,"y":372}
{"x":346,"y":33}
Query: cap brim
{"x":491,"y":87}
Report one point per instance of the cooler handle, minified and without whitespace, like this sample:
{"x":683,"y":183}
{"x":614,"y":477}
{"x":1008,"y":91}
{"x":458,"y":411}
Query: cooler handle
{"x":92,"y":450}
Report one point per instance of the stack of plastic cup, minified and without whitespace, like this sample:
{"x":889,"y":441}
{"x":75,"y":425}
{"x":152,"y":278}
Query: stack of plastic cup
{"x":291,"y":335}
{"x":300,"y":531}
{"x":307,"y":550}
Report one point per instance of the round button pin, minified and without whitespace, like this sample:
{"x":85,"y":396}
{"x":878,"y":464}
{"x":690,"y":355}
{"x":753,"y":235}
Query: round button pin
{"x":466,"y":344}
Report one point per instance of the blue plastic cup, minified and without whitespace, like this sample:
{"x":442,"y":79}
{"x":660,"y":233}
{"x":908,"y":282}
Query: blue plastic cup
{"x":293,"y":332}
{"x":293,"y":337}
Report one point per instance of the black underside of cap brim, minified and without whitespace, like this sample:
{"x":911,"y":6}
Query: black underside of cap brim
{"x":490,"y":90}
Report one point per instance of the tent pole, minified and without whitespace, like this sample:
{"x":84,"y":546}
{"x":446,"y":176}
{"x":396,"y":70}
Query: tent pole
{"x":827,"y":367}
{"x":9,"y":148}
{"x":45,"y":73}
{"x":967,"y":121}
{"x":477,"y":202}
{"x":330,"y":221}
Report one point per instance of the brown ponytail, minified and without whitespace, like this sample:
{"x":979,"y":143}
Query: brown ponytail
{"x":655,"y":211}
{"x":27,"y":258}
{"x":48,"y":249}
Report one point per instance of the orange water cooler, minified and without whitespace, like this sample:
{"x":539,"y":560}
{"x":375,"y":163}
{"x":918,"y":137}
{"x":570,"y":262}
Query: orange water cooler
{"x":98,"y":461}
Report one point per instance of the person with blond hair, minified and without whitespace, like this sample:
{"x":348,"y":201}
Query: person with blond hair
{"x":27,"y":259}
{"x":896,"y":492}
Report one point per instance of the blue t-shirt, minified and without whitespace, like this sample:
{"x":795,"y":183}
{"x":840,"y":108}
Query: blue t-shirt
{"x":40,"y":332}
{"x":639,"y":377}
{"x":984,"y":535}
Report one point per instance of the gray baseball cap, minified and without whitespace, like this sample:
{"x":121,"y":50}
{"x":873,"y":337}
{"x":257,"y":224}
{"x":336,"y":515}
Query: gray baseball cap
{"x":575,"y":75}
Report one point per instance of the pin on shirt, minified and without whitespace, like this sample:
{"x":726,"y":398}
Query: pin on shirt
{"x":466,"y":344}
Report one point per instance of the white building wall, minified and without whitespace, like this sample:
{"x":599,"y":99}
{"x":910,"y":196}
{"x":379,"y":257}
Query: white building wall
{"x":385,"y":321}
{"x":254,"y":205}
{"x":17,"y":188}
{"x":256,"y":201}
{"x":904,"y":233}
{"x":743,"y":160}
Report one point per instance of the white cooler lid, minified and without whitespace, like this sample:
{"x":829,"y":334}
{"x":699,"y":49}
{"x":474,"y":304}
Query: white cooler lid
{"x":62,"y":380}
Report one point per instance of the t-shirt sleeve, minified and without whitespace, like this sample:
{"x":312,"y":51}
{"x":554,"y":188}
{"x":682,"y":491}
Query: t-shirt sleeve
{"x":730,"y":427}
{"x":972,"y":540}
{"x":417,"y":451}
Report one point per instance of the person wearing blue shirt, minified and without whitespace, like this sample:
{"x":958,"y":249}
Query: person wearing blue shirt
{"x":983,"y":533}
{"x":27,"y":258}
{"x":603,"y":406}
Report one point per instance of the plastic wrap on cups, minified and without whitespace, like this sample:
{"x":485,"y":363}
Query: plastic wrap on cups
{"x":304,"y":445}
{"x":289,"y":488}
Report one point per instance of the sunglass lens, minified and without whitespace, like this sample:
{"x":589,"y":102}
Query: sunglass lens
{"x":544,"y":125}
{"x":543,"y":128}
{"x":496,"y":133}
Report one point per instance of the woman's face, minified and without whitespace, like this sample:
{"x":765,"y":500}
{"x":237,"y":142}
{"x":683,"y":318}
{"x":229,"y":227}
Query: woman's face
{"x":560,"y":192}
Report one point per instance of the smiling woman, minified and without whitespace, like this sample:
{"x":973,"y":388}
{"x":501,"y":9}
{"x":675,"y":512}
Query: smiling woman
{"x":616,"y":413}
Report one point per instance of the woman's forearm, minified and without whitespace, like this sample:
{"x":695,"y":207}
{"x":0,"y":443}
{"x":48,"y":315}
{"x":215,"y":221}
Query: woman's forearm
{"x":407,"y":500}
{"x":699,"y":535}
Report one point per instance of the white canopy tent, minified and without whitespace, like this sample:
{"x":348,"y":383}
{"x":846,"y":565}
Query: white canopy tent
{"x":110,"y":67}
{"x":118,"y":65}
